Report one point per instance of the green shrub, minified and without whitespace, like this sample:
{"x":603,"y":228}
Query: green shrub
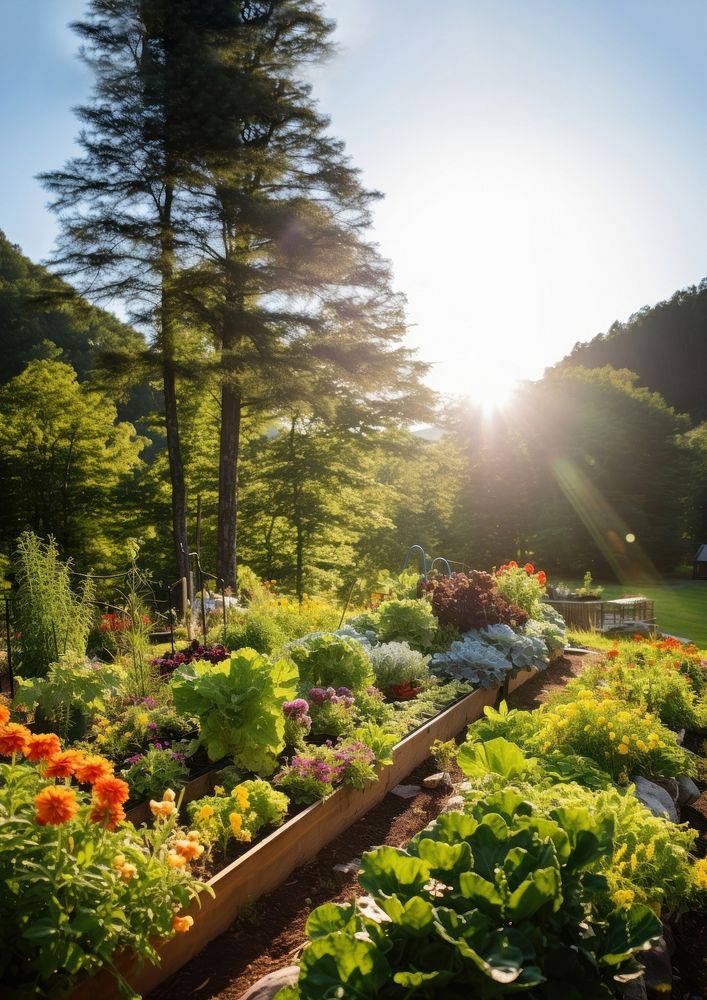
{"x":255,"y":630}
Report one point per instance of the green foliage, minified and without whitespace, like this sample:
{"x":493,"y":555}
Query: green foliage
{"x":327,"y":660}
{"x":588,"y":588}
{"x":65,"y":909}
{"x":155,"y":772}
{"x":521,"y":588}
{"x":395,"y":663}
{"x":408,"y":621}
{"x":488,"y":903}
{"x":239,"y":706}
{"x":72,"y":685}
{"x":444,"y":754}
{"x":256,"y":630}
{"x":51,"y":617}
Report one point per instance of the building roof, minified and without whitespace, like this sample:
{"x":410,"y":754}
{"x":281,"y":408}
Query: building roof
{"x":701,"y":554}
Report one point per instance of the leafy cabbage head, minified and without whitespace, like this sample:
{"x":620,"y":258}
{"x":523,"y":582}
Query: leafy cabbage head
{"x":239,"y":706}
{"x":325,"y":660}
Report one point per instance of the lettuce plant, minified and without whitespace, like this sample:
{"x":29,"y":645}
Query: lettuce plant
{"x":503,"y":899}
{"x":239,"y":706}
{"x":326,"y":660}
{"x":407,"y":621}
{"x":472,"y":600}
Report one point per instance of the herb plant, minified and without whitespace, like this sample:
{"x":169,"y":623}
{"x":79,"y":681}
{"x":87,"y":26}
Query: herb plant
{"x":149,"y":774}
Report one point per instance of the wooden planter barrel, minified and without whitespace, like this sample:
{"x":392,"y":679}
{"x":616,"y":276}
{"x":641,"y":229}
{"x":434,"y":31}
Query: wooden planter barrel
{"x":270,"y":861}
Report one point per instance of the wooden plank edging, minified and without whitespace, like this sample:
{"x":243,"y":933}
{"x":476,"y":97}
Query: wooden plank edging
{"x":271,"y":860}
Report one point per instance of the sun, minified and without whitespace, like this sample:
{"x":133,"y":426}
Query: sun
{"x":492,"y":392}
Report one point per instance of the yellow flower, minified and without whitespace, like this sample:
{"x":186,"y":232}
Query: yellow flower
{"x":585,"y":694}
{"x":587,"y":729}
{"x":612,"y":736}
{"x":128,"y":735}
{"x":622,"y":748}
{"x":643,"y":747}
{"x":205,"y":814}
{"x":650,"y":851}
{"x":142,"y":719}
{"x":175,"y":860}
{"x":699,"y":873}
{"x":626,"y":740}
{"x":240,"y":794}
{"x":634,"y":861}
{"x":601,"y":720}
{"x":219,"y":790}
{"x":624,"y":716}
{"x":620,"y":853}
{"x":236,"y":821}
{"x":624,"y":897}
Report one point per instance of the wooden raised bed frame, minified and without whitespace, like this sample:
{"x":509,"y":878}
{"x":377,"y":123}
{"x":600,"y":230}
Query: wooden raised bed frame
{"x":270,"y":861}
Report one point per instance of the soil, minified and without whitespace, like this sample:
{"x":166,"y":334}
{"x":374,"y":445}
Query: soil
{"x":271,"y":934}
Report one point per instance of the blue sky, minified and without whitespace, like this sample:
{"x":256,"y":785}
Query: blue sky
{"x":544,"y":161}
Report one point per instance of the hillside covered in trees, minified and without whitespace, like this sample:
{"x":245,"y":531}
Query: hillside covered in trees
{"x":665,"y":344}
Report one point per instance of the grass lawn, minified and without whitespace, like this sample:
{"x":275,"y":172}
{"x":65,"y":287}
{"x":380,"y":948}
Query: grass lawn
{"x":680,"y":605}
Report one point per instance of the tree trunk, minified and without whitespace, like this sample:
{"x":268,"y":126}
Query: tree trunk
{"x":229,"y":448}
{"x":176,"y":475}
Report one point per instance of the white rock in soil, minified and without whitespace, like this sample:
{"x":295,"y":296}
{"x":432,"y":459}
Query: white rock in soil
{"x":687,"y":791}
{"x":435,"y":780}
{"x":656,"y":799}
{"x":454,"y":804}
{"x":349,"y":867}
{"x":406,"y":791}
{"x":267,"y":987}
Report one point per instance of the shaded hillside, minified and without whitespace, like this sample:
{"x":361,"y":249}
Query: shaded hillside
{"x":42,"y":317}
{"x":665,"y":344}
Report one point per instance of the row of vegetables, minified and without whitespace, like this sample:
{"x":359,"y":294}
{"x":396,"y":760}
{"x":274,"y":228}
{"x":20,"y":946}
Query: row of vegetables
{"x":286,"y":725}
{"x":553,"y":877}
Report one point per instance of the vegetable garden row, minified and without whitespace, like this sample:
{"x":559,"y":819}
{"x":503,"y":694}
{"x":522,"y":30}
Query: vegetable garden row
{"x":287,"y":739}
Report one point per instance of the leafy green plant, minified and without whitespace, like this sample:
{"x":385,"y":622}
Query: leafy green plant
{"x":410,"y":621}
{"x":50,"y":616}
{"x":72,"y":687}
{"x":326,"y":660}
{"x":522,"y":587}
{"x":255,"y":630}
{"x":149,"y":774}
{"x":240,"y":815}
{"x":444,"y":754}
{"x":487,"y":657}
{"x":396,"y":665}
{"x":239,"y":706}
{"x":589,"y":589}
{"x":482,"y":904}
{"x":472,"y":600}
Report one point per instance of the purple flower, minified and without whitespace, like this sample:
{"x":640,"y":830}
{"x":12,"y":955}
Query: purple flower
{"x":295,"y":709}
{"x":149,"y":702}
{"x":344,"y":692}
{"x":152,"y":726}
{"x":317,"y":695}
{"x":134,"y":760}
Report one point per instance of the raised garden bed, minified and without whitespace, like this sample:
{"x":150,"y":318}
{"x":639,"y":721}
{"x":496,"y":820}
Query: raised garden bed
{"x":269,"y":862}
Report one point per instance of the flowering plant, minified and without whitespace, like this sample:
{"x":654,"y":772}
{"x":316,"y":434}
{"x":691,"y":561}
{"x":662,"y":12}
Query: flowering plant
{"x":78,"y":882}
{"x":297,"y":722}
{"x":522,"y":586}
{"x":250,"y":806}
{"x":313,"y":775}
{"x":332,"y":711}
{"x":147,"y":775}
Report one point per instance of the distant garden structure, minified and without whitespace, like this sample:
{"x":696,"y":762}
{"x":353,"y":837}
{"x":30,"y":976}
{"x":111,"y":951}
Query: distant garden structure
{"x":699,"y":565}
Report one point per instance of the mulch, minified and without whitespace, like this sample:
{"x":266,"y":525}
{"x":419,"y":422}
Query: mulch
{"x":271,"y":933}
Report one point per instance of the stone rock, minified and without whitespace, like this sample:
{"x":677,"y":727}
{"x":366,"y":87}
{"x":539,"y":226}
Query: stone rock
{"x":268,"y":986}
{"x":406,"y":791}
{"x":671,"y":787}
{"x":688,"y":792}
{"x":464,"y":786}
{"x":349,"y":867}
{"x":658,"y":967}
{"x":435,"y":780}
{"x":454,"y":804}
{"x":635,"y":989}
{"x":656,"y":799}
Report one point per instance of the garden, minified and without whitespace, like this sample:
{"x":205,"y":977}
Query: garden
{"x":150,"y":796}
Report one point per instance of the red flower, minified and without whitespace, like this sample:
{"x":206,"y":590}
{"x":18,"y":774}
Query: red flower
{"x":612,"y":654}
{"x":512,"y":564}
{"x":529,"y":568}
{"x":541,"y":577}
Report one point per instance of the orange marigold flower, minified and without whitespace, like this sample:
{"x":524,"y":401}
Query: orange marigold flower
{"x":107,"y":815}
{"x":529,"y":568}
{"x":512,"y":564}
{"x":55,"y":805}
{"x":612,"y":654}
{"x":189,"y":849}
{"x":92,"y":767}
{"x":180,"y":925}
{"x":4,"y":715}
{"x":42,"y":745}
{"x":541,"y":577}
{"x":62,"y":765}
{"x":175,"y":860}
{"x":13,"y":739}
{"x":111,"y":791}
